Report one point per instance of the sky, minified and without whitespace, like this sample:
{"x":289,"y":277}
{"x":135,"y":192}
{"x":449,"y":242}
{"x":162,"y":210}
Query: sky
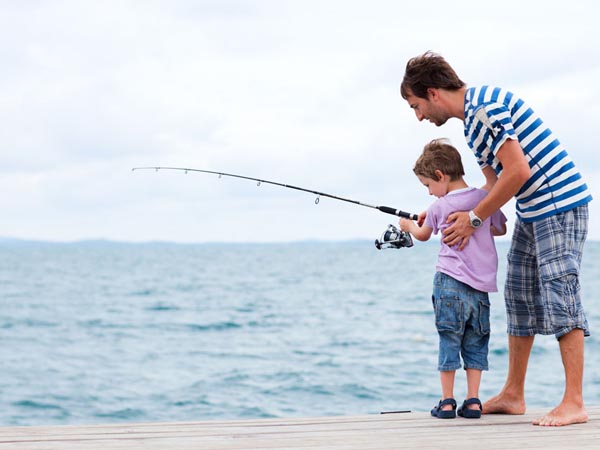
{"x":299,"y":92}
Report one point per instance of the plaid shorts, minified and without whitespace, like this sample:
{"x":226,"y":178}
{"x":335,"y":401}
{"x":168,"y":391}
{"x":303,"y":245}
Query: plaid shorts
{"x":542,"y":290}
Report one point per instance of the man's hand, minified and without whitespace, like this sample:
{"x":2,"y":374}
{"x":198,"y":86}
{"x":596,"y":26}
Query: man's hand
{"x":460,"y":231}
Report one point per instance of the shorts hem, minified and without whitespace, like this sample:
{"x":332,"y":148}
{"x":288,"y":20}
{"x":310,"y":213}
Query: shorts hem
{"x":482,"y":368}
{"x":523,"y":333}
{"x":567,"y":330}
{"x":448,"y":368}
{"x":558,"y":334}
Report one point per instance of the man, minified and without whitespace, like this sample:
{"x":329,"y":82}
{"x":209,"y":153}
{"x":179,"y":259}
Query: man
{"x":519,"y":156}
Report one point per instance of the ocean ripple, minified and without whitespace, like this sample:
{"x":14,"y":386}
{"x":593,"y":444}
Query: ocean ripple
{"x":160,"y":332}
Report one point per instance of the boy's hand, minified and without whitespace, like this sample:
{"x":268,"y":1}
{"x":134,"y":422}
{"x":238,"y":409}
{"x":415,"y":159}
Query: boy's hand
{"x":405,"y":224}
{"x":419,"y":231}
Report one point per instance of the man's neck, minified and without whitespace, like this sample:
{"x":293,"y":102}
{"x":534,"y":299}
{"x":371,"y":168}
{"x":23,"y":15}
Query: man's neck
{"x":455,"y":102}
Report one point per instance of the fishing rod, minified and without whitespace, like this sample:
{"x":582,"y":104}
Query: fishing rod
{"x":384,"y":209}
{"x":392,"y":237}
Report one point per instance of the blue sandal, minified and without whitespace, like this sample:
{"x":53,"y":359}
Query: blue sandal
{"x":440,"y":413}
{"x":467,"y":413}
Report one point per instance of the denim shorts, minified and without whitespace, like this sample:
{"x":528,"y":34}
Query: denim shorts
{"x":462,"y":318}
{"x":542,"y":290}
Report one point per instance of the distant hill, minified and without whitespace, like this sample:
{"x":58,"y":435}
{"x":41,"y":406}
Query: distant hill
{"x":7,"y":240}
{"x":107,"y":242}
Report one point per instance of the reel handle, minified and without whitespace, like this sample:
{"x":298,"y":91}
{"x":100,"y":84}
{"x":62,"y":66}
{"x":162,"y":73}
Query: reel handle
{"x":397,"y":212}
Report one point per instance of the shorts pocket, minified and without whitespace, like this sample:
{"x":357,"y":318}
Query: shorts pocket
{"x":561,"y":290}
{"x":558,"y":268}
{"x":484,"y":317}
{"x":448,"y":313}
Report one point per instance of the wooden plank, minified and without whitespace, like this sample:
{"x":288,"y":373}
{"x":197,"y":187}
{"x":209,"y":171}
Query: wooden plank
{"x":375,"y":432}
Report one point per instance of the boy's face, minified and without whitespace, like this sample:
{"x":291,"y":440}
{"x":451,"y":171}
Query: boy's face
{"x":438,"y":187}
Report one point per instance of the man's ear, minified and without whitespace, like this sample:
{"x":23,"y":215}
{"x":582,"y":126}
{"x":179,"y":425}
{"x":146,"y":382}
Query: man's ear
{"x":433,"y":93}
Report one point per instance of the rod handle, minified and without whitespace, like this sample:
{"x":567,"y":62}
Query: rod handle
{"x":397,"y":212}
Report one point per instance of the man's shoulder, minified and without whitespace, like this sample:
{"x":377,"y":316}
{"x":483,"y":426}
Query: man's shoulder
{"x":484,"y":95}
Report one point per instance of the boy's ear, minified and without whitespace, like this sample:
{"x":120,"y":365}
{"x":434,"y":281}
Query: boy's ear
{"x":439,"y":174}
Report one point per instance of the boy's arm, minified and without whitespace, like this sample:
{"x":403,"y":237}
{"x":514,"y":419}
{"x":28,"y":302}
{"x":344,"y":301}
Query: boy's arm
{"x":498,"y":225}
{"x":420,"y":233}
{"x":499,"y":232}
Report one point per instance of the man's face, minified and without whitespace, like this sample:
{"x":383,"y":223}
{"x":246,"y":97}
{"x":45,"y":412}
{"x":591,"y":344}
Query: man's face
{"x":428,"y":108}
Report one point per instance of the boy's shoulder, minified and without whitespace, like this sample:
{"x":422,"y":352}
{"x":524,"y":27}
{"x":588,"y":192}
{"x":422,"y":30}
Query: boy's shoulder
{"x":458,"y":201}
{"x":468,"y":192}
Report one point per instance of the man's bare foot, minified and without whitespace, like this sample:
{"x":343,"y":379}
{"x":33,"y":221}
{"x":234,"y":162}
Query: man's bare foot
{"x":504,"y":404}
{"x":563,"y":415}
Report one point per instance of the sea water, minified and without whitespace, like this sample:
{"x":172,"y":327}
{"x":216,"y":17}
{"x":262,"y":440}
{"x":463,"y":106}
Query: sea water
{"x":106,"y":332}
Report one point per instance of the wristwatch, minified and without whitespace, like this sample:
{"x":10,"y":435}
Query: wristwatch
{"x":475,"y":221}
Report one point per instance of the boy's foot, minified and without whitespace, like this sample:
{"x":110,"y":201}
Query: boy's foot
{"x":445,"y":409}
{"x":470,"y":409}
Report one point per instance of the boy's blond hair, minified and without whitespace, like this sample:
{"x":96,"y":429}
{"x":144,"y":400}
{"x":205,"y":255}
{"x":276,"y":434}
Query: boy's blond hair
{"x":439,"y":155}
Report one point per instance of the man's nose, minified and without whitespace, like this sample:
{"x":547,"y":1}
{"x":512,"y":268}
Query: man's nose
{"x":420,"y":116}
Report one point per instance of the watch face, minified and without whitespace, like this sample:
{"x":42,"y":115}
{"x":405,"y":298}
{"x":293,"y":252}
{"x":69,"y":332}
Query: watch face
{"x":475,"y":221}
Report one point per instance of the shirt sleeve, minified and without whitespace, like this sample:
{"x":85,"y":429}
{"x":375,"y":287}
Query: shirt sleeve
{"x":498,"y":219}
{"x":432,"y":218}
{"x":495,"y":117}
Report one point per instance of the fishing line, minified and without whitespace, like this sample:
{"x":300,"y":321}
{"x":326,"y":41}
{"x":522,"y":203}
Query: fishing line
{"x":392,"y":237}
{"x":259,"y":181}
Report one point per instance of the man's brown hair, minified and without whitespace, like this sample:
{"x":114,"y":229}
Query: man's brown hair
{"x":428,"y":70}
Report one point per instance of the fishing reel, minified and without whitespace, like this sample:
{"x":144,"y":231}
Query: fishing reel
{"x":392,"y":237}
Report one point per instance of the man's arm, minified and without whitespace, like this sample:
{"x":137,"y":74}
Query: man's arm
{"x":515,"y":172}
{"x":490,"y":178}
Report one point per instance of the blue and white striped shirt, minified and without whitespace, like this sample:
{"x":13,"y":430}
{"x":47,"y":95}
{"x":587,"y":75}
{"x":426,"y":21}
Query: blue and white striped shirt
{"x":493,"y":115}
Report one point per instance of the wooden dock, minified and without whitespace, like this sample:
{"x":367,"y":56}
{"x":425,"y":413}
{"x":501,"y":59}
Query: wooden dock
{"x":374,"y":432}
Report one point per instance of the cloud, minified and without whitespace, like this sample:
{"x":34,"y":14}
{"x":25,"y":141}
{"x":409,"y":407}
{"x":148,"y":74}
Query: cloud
{"x":299,"y":92}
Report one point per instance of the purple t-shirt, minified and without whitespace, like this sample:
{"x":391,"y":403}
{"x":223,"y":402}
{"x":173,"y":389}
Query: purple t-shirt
{"x":476,"y":264}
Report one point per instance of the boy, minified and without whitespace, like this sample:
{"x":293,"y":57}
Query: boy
{"x":462,"y":279}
